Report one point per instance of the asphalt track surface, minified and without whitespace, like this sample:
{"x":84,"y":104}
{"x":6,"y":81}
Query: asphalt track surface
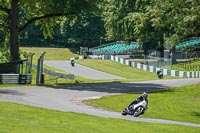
{"x":80,"y":70}
{"x":69,"y":98}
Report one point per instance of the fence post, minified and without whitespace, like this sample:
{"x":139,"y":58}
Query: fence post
{"x":40,"y":69}
{"x":38,"y":73}
{"x":29,"y":63}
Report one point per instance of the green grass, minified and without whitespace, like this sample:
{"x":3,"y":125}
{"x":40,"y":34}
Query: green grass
{"x":180,"y":104}
{"x":131,"y":74}
{"x":16,"y":118}
{"x":193,"y":63}
{"x":57,"y":54}
{"x":51,"y":53}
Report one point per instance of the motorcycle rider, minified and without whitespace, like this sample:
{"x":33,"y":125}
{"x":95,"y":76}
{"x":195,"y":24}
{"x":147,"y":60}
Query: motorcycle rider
{"x":72,"y":62}
{"x":136,"y":101}
{"x":159,"y":74}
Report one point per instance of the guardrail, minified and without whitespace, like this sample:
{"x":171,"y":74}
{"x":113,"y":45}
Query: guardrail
{"x":15,"y":78}
{"x":16,"y":72}
{"x":58,"y":75}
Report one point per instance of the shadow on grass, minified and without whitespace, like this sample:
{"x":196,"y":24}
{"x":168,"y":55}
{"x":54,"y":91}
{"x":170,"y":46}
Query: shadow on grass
{"x":196,"y":114}
{"x":74,"y":50}
{"x":163,"y":91}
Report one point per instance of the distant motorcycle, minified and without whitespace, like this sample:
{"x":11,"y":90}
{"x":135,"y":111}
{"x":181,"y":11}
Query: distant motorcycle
{"x":160,"y":74}
{"x":72,"y":63}
{"x":136,"y":109}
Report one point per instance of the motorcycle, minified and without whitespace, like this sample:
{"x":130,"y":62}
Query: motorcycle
{"x":72,"y":63}
{"x":136,"y":109}
{"x":160,"y":74}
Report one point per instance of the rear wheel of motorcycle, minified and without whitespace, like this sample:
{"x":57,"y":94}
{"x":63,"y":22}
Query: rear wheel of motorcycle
{"x":138,"y":111}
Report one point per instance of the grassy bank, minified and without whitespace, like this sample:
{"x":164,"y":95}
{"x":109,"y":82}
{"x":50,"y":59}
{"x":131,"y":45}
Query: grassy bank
{"x":180,"y":104}
{"x":51,"y":53}
{"x":16,"y":118}
{"x":129,"y":73}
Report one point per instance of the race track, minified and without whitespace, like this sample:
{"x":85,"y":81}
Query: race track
{"x":69,"y":98}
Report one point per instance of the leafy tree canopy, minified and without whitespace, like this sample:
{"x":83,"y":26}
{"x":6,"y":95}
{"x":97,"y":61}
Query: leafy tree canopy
{"x":152,"y":21}
{"x":16,"y":15}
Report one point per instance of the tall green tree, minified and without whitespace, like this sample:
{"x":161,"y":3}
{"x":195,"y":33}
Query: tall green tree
{"x":16,"y":15}
{"x":155,"y":22}
{"x":84,"y":31}
{"x":114,"y":14}
{"x":126,"y":20}
{"x":178,"y":19}
{"x":139,"y":21}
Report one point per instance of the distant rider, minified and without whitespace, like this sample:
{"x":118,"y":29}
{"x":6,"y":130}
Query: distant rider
{"x":159,"y":74}
{"x":136,"y":101}
{"x":72,"y":62}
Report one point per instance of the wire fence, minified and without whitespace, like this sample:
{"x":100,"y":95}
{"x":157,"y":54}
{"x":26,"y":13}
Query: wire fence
{"x":54,"y":75}
{"x":165,"y":63}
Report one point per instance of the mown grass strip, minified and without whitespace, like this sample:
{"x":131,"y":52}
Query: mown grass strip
{"x":131,"y":74}
{"x":51,"y":53}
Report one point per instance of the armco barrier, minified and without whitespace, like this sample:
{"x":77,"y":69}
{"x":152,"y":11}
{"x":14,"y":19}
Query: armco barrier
{"x":15,"y":78}
{"x":174,"y":73}
{"x":57,"y":74}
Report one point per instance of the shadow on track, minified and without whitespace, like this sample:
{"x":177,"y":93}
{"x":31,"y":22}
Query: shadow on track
{"x":11,"y":92}
{"x":115,"y":87}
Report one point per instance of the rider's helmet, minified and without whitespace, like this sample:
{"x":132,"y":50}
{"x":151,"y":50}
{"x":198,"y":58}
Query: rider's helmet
{"x":144,"y":95}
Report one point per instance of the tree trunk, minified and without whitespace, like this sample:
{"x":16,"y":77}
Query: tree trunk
{"x":14,"y":30}
{"x":162,"y":47}
{"x":145,"y":47}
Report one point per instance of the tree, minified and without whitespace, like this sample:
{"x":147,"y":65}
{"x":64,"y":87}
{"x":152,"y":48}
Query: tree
{"x":16,"y":15}
{"x":126,"y":20}
{"x":175,"y":19}
{"x":114,"y":14}
{"x":85,"y":32}
{"x":139,"y":21}
{"x":155,"y":22}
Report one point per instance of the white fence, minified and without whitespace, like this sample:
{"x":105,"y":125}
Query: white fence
{"x":174,"y":73}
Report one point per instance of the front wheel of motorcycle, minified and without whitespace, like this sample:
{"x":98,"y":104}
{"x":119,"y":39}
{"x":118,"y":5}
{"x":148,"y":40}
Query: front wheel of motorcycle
{"x":138,"y":111}
{"x":124,"y":112}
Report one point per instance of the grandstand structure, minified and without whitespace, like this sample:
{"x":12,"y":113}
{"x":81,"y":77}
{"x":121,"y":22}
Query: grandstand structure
{"x":189,"y":43}
{"x":187,"y":50}
{"x":116,"y":48}
{"x":134,"y":52}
